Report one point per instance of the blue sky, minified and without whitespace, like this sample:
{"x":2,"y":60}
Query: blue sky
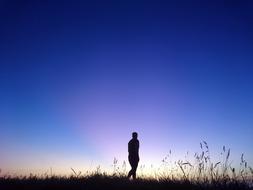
{"x":77,"y":77}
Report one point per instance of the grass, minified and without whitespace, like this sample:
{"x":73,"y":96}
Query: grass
{"x":201,"y":173}
{"x":100,"y":181}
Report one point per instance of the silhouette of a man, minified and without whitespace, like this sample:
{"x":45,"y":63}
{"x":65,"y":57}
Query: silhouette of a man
{"x":133,"y":154}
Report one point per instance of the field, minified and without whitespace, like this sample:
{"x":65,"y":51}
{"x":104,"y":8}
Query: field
{"x":201,"y":173}
{"x":114,"y":182}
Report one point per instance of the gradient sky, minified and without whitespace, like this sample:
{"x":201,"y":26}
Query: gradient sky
{"x":78,"y":77}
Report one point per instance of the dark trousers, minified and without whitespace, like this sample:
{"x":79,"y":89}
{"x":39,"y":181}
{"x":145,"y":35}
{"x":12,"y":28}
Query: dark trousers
{"x":134,"y":165}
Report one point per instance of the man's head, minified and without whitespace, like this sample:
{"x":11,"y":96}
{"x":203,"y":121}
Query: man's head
{"x":134,"y":135}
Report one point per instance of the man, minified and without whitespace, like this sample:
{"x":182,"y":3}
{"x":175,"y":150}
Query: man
{"x":133,"y":154}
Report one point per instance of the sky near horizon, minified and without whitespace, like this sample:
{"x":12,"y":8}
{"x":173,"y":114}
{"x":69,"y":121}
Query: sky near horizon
{"x":78,"y":77}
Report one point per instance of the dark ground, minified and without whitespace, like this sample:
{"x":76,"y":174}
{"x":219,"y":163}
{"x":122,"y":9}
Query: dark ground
{"x":113,"y":183}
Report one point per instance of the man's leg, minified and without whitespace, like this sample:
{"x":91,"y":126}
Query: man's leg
{"x":134,"y":168}
{"x":130,"y":173}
